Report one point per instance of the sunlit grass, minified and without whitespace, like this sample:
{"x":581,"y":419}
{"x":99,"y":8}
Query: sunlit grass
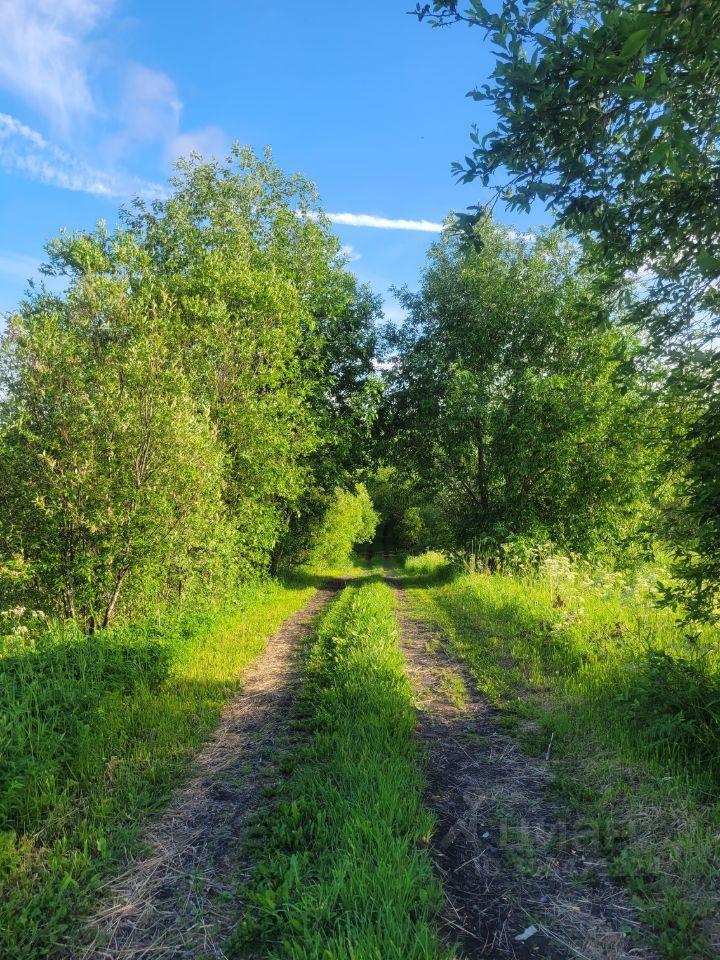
{"x":635,"y":712}
{"x":95,"y":733}
{"x":342,"y":870}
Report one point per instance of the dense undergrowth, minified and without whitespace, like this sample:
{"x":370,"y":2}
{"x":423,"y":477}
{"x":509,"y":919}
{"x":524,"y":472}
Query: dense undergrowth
{"x":635,"y":711}
{"x":342,"y":870}
{"x":95,"y":732}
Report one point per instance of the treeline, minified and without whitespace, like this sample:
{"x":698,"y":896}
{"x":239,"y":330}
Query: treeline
{"x":571,"y":396}
{"x":185,"y":415}
{"x":521,"y":412}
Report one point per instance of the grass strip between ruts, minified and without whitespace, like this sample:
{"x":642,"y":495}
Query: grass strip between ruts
{"x":343,"y":871}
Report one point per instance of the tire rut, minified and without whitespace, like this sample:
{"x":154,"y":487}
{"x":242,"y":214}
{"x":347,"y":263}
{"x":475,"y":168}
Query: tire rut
{"x":510,"y":860}
{"x":176,"y":901}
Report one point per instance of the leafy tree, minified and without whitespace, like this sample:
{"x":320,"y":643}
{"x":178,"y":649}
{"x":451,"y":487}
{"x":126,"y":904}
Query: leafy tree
{"x":349,"y":520}
{"x":407,"y":521}
{"x":277,"y":334}
{"x":112,"y":478}
{"x":171,"y":417}
{"x":608,"y":111}
{"x":516,"y":399}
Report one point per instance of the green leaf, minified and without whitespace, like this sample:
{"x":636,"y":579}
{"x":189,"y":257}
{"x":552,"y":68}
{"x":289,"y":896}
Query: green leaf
{"x":634,"y":42}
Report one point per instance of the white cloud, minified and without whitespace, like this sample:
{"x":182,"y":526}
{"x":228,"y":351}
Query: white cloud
{"x":48,"y":57}
{"x":383,"y":365}
{"x":207,"y":141}
{"x":150,"y":106}
{"x":150,"y":112}
{"x":350,"y":253}
{"x":383,"y":223}
{"x":44,"y":54}
{"x":23,"y":150}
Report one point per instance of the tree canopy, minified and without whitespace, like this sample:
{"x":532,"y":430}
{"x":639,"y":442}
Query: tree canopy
{"x":516,"y":400}
{"x":199,"y":387}
{"x":608,"y":112}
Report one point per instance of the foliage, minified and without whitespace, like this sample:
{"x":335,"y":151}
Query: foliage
{"x":112,"y":479}
{"x":95,"y":731}
{"x":585,"y":654}
{"x":517,"y":403}
{"x":349,"y":520}
{"x":697,"y":556}
{"x":608,"y":112}
{"x":426,"y":564}
{"x":677,"y":706}
{"x":343,"y":871}
{"x":207,"y":376}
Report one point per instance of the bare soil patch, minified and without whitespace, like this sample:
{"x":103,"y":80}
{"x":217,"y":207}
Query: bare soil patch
{"x":511,"y":862}
{"x":176,"y":901}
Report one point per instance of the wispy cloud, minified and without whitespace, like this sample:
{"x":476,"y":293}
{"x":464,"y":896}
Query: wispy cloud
{"x":150,"y":106}
{"x":350,"y":253}
{"x":44,"y":54}
{"x":50,"y":58}
{"x":207,"y":141}
{"x":24,"y":150}
{"x":383,"y":223}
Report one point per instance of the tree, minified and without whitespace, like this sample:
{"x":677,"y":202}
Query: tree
{"x":112,"y":478}
{"x":516,"y":399}
{"x":609,"y":113}
{"x":169,"y":418}
{"x":348,"y":520}
{"x":278,"y":336}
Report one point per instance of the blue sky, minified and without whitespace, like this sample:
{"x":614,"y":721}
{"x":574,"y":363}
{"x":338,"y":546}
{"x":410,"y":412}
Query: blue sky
{"x":97,"y":98}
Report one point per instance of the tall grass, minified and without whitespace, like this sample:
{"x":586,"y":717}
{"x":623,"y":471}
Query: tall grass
{"x":342,"y":869}
{"x":634,"y":706}
{"x":95,"y":731}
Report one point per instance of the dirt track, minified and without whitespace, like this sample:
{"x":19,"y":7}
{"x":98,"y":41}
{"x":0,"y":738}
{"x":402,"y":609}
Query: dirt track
{"x":177,"y":902}
{"x":507,"y":857}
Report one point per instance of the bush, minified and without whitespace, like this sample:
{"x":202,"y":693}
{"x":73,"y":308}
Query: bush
{"x":111,"y":478}
{"x":349,"y":520}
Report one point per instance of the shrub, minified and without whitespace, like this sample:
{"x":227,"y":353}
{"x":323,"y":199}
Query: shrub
{"x":349,"y":520}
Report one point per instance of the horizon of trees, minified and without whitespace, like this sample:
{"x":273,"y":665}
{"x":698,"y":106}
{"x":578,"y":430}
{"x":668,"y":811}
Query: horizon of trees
{"x":202,"y":406}
{"x":180,"y":418}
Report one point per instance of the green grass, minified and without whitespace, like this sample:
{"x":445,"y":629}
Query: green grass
{"x":635,"y":710}
{"x":95,"y":732}
{"x":343,"y":872}
{"x":429,"y":564}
